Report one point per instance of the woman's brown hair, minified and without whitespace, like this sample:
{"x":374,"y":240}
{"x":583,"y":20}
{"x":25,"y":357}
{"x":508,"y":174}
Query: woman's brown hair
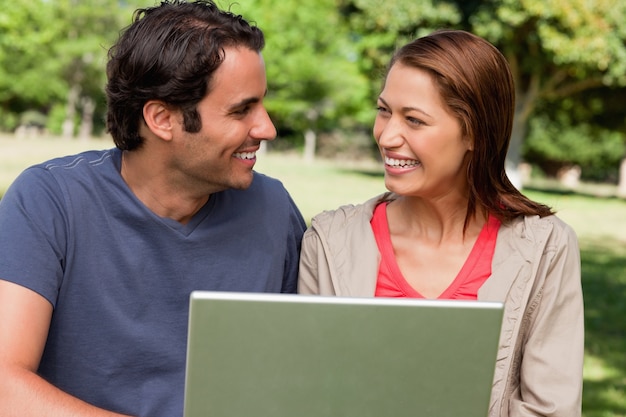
{"x":475,"y":81}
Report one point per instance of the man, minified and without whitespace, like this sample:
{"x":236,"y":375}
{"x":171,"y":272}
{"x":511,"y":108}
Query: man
{"x":99,"y":251}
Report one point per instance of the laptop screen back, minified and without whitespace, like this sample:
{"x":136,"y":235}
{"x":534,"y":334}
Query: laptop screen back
{"x":278,"y":355}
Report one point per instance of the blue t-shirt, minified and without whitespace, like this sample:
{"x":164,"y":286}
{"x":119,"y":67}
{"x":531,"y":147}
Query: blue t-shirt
{"x":119,"y":276}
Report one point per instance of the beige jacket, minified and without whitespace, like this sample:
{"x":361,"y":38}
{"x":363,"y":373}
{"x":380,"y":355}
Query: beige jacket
{"x":535,"y":272}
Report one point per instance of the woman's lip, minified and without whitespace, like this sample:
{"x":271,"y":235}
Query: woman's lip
{"x":396,"y":170}
{"x":395,"y":155}
{"x":400,"y":161}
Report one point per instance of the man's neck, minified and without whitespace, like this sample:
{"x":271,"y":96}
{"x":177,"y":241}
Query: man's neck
{"x":155,"y":191}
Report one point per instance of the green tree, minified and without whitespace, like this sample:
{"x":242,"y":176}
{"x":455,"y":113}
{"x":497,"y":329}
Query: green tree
{"x":379,"y":27}
{"x":28,"y":75}
{"x":558,"y":49}
{"x":53,"y":53}
{"x":556,"y":143}
{"x":313,"y":78}
{"x":584,"y":130}
{"x":87,"y":28}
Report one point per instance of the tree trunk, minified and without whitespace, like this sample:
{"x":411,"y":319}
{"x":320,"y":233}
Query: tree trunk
{"x":70,"y":112}
{"x":524,"y":106}
{"x":310,"y":138}
{"x":514,"y":156}
{"x":621,"y":186}
{"x":86,"y":122}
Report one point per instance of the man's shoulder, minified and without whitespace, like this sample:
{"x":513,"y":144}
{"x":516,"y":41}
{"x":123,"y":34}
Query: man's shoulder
{"x":60,"y":175}
{"x":63,"y":168}
{"x":264,"y":184}
{"x":265,"y":180}
{"x":86,"y":158}
{"x":264,"y":192}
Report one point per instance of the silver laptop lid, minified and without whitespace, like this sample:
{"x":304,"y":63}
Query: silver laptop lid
{"x":278,"y":355}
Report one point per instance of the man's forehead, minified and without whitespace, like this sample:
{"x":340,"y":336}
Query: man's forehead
{"x":240,"y":79}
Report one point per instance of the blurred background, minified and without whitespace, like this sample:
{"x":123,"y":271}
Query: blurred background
{"x":325,"y":60}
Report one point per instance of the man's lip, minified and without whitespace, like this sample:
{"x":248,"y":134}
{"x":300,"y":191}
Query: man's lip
{"x":250,"y":155}
{"x":247,"y":150}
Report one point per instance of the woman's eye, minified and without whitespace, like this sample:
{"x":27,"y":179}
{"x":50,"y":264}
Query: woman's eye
{"x":414,"y":121}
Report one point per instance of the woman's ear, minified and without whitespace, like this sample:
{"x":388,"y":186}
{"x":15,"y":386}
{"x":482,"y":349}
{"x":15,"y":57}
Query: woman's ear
{"x":159,"y":119}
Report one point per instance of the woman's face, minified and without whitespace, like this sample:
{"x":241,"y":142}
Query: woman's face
{"x":421,"y":142}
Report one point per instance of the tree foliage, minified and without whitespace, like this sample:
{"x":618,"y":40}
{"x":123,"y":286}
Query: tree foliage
{"x":325,"y":60}
{"x":378,"y":28}
{"x":29,"y":75}
{"x":558,"y":49}
{"x":313,"y":77}
{"x":49,"y":49}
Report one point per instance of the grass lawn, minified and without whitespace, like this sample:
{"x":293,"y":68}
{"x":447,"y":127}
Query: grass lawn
{"x":599,"y":221}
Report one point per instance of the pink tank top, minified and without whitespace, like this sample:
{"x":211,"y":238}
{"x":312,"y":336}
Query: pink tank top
{"x":475,"y":271}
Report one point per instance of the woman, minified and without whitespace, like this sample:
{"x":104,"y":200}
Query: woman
{"x":454,"y":227}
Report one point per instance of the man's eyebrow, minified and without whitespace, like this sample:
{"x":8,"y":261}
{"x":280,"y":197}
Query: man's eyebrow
{"x":246,"y":101}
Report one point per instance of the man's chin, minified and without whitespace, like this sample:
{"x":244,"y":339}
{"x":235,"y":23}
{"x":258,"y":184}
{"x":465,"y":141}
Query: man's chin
{"x":243,"y":184}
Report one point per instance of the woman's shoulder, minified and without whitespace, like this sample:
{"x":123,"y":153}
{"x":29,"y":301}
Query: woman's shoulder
{"x":345,"y":232}
{"x":536,"y":227}
{"x":346,"y":215}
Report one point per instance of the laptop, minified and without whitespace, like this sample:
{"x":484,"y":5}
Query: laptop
{"x":287,"y":355}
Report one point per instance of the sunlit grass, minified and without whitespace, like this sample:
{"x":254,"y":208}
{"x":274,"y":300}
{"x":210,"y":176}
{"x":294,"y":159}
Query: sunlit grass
{"x":18,"y":154}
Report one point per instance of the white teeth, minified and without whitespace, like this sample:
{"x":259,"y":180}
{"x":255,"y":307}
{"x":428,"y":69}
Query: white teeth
{"x":245,"y":155}
{"x":402,"y":163}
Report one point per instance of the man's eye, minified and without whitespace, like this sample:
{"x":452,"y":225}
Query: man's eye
{"x":242,"y":111}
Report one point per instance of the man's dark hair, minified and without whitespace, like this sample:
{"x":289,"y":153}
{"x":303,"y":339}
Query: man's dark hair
{"x":170,"y":53}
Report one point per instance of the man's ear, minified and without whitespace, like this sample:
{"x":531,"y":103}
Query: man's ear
{"x":159,"y":118}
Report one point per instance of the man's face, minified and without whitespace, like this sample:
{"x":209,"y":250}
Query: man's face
{"x":234,"y":122}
